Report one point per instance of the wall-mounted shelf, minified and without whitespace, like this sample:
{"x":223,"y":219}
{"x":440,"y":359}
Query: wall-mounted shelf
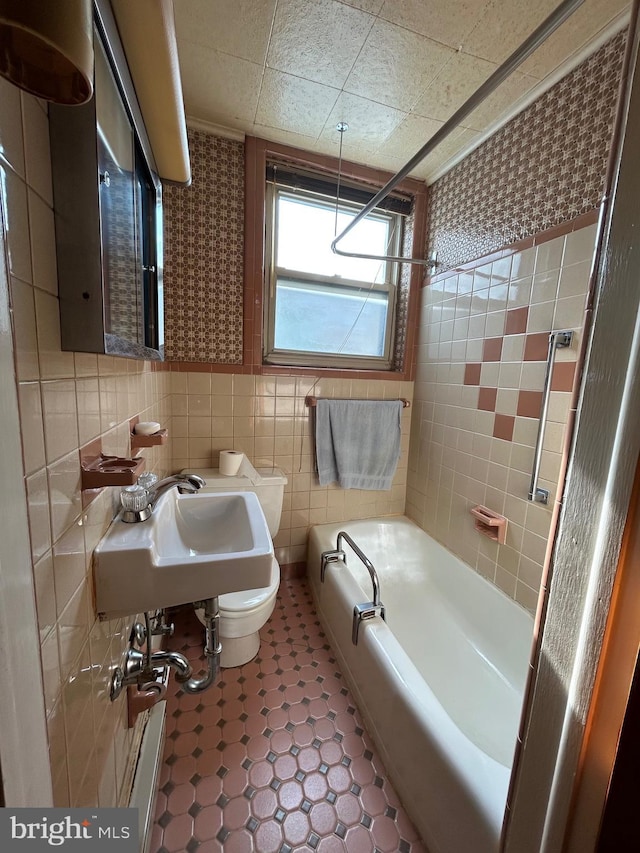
{"x":110,"y":471}
{"x":490,"y":523}
{"x":152,"y":440}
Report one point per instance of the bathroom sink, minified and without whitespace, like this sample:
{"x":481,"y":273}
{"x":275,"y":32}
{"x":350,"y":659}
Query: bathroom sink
{"x":191,"y":548}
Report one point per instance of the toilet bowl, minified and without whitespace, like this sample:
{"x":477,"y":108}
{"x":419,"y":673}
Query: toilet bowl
{"x":242,"y":614}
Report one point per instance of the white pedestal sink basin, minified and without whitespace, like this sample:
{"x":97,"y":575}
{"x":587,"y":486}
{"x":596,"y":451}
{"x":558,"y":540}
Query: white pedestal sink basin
{"x":192,"y":547}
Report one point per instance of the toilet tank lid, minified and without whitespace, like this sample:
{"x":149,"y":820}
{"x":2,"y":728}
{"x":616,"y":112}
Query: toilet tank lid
{"x":268,"y":477}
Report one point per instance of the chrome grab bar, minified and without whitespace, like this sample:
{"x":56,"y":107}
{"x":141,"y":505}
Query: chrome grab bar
{"x":367,"y":563}
{"x":537,"y":37}
{"x":368,"y":609}
{"x":557,"y":340}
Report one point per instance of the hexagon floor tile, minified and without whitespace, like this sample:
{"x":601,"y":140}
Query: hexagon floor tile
{"x":275,"y":757}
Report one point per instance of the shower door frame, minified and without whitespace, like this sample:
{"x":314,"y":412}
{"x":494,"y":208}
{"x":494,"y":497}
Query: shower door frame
{"x":605,"y":448}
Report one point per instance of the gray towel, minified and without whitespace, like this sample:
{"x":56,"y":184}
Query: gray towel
{"x":358,"y":442}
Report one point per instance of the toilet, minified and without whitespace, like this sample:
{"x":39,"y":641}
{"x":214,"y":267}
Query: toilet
{"x":242,"y":614}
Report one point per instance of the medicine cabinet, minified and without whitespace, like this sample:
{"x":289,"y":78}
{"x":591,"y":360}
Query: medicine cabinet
{"x":108,"y":213}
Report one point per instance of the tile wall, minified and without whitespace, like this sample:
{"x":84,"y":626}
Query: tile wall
{"x":266,"y":418}
{"x":481,"y":364}
{"x":66,"y":400}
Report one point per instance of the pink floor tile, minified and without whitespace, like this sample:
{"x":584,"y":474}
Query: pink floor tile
{"x":274,"y":758}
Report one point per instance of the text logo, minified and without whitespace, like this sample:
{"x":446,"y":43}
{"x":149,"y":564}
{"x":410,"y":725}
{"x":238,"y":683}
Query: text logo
{"x":37,"y":830}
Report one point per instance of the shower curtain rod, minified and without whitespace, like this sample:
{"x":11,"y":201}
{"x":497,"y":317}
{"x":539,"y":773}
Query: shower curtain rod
{"x":537,"y":37}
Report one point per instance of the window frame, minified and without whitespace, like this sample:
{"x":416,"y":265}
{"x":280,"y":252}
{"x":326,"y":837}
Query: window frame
{"x":258,"y":152}
{"x":309,"y":358}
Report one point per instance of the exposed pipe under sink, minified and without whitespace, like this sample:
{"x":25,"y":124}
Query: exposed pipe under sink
{"x":142,"y":668}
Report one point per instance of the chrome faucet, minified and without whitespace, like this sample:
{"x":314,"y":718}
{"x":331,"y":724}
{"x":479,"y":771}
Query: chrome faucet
{"x":138,"y":504}
{"x":187,"y":484}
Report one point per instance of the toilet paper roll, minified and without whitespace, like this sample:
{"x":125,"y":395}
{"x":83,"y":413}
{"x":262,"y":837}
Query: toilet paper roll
{"x":230,"y":462}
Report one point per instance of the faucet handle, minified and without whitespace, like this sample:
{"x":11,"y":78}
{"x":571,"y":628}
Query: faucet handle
{"x":134,"y":498}
{"x":147,"y":480}
{"x":135,"y":503}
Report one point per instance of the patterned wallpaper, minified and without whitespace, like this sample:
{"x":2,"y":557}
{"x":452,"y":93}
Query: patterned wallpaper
{"x":545,"y":167}
{"x":204,"y":246}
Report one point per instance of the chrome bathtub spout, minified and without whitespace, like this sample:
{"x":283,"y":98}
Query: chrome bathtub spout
{"x":212,"y":649}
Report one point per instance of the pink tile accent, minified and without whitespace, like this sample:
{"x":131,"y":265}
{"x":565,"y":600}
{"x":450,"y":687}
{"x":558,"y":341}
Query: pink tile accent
{"x":503,"y":427}
{"x":563,"y":375}
{"x":487,"y":399}
{"x":492,"y":349}
{"x":536,"y":347}
{"x":304,"y":773}
{"x":529,"y":404}
{"x":472,"y":374}
{"x":517,"y":321}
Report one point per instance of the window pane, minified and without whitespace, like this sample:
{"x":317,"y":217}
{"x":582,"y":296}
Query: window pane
{"x":315,"y":319}
{"x":306,"y":230}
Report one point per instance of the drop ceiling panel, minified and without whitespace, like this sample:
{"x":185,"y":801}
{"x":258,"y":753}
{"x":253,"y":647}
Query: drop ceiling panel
{"x":446,"y":21}
{"x":223,"y":89}
{"x":575,"y":34}
{"x":396,"y":66}
{"x":457,"y":81}
{"x":294,"y":104}
{"x":319,"y":41}
{"x":238,"y":27}
{"x":370,"y":123}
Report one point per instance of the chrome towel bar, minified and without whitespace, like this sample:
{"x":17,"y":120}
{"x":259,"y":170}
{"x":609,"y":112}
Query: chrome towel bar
{"x":311,"y":402}
{"x":557,"y":340}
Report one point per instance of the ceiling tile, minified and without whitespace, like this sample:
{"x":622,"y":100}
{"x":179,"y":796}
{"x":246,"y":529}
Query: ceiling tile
{"x":383,"y":161}
{"x":385,"y":66}
{"x":238,"y":27}
{"x":499,"y":102}
{"x":503,"y":26}
{"x":446,"y":21}
{"x":285,"y":137}
{"x":372,"y":6}
{"x":396,"y":66}
{"x":409,"y":137}
{"x":293,"y":104}
{"x":218,"y":88}
{"x":458,"y":140}
{"x":457,"y":81}
{"x":572,"y":35}
{"x":369,"y":123}
{"x":317,"y":39}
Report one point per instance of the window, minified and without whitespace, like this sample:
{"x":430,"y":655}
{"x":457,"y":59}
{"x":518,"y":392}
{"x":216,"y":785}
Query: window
{"x":322,"y":309}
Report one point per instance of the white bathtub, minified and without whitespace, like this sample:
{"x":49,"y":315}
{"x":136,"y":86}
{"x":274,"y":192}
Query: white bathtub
{"x":440,"y":684}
